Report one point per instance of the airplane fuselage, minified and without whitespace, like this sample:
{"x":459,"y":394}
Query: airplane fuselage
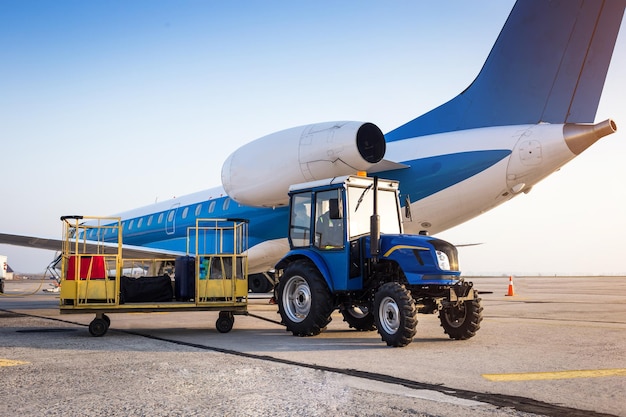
{"x":450,"y":178}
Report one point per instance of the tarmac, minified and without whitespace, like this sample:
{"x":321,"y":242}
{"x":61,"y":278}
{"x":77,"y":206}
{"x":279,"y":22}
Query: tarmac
{"x":557,"y":347}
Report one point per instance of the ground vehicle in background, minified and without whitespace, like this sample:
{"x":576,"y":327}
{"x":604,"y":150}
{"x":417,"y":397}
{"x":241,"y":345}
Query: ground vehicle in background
{"x":3,"y":272}
{"x":348,"y":252}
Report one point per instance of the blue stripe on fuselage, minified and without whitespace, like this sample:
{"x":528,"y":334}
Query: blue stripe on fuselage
{"x":427,"y":176}
{"x":265,"y":224}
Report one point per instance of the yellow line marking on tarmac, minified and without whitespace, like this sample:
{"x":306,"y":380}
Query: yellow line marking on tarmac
{"x":538,"y":376}
{"x":8,"y":362}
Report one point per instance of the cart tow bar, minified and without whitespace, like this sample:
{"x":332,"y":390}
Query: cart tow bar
{"x":264,"y":318}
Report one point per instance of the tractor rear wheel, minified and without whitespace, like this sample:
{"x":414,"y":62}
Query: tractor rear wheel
{"x":304,"y":300}
{"x":359,"y":318}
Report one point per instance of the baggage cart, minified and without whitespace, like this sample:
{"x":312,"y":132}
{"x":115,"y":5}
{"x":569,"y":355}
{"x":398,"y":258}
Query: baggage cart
{"x":97,"y":278}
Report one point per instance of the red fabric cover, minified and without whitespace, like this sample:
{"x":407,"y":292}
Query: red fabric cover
{"x":88,"y":264}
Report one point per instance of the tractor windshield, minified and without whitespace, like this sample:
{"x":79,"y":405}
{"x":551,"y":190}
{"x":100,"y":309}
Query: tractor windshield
{"x":361,"y":208}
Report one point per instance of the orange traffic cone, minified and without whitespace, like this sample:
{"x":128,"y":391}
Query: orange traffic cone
{"x":511,"y":291}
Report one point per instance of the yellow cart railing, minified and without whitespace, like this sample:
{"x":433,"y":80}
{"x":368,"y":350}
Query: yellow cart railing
{"x":219,"y":247}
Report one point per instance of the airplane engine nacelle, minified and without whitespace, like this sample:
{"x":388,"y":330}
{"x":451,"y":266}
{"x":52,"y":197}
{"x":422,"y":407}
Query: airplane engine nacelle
{"x":260,"y":172}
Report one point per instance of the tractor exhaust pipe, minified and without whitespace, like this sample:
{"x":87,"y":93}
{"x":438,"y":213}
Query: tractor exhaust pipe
{"x":375,"y":226}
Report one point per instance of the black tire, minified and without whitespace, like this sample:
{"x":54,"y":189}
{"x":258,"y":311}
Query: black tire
{"x":225,"y":322}
{"x":395,"y":314}
{"x":258,"y":283}
{"x":359,"y":318}
{"x":462,"y":322}
{"x":304,"y":300}
{"x":98,"y":327}
{"x":1,"y":286}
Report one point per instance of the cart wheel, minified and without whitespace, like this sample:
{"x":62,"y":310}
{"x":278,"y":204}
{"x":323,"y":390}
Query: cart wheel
{"x":107,"y":319}
{"x":98,"y":327}
{"x":224,"y":323}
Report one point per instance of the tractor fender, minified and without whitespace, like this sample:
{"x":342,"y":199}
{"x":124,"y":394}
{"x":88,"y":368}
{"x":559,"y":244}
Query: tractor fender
{"x":315,"y":258}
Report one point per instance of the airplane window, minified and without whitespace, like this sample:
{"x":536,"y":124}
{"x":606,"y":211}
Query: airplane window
{"x":226,"y":204}
{"x":149,"y":221}
{"x":123,"y":224}
{"x":212,"y":207}
{"x":130,"y":225}
{"x":170,"y":216}
{"x":198,"y":209}
{"x":160,"y":218}
{"x":185,"y":211}
{"x":139,"y":223}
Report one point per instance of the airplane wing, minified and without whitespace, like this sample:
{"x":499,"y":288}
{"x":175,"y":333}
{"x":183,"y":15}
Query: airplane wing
{"x":386,"y":165}
{"x":128,"y":251}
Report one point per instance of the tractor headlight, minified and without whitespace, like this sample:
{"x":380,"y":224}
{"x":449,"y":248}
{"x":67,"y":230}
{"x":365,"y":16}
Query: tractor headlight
{"x":447,"y":255}
{"x":442,"y":260}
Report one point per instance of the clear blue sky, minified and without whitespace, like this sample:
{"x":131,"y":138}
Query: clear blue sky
{"x":110,"y":105}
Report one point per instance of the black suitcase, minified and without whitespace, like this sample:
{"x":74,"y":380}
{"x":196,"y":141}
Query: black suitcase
{"x":146,"y":289}
{"x":185,"y":278}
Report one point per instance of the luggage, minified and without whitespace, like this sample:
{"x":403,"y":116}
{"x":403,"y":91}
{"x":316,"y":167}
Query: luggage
{"x":91,"y":267}
{"x":185,"y":278}
{"x":146,"y":289}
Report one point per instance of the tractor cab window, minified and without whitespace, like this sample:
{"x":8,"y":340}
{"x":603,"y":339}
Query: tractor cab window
{"x":300,"y":220}
{"x":361,"y":208}
{"x":329,"y":230}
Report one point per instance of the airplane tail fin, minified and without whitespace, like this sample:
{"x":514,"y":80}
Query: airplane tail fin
{"x":548,"y":64}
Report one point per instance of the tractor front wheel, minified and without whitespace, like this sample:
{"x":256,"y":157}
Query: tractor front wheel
{"x":462,"y":321}
{"x":395,"y":314}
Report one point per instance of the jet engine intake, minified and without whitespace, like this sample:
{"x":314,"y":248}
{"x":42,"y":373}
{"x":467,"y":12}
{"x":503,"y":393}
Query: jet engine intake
{"x":260,"y":172}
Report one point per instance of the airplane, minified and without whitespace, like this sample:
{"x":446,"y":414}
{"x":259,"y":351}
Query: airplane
{"x":530,"y":110}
